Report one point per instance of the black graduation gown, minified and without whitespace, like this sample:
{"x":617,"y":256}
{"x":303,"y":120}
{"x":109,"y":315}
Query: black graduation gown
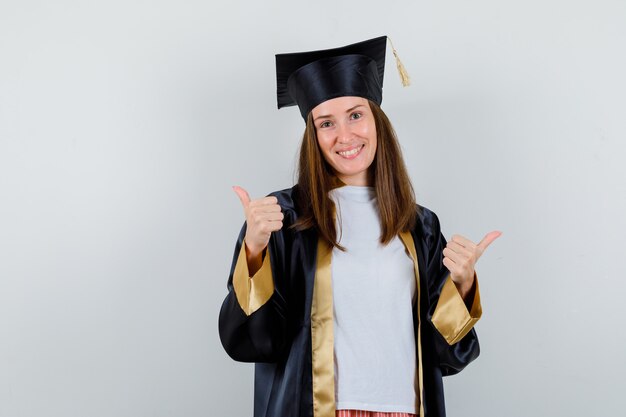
{"x":276,"y":333}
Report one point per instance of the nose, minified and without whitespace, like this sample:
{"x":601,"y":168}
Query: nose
{"x":344,"y":133}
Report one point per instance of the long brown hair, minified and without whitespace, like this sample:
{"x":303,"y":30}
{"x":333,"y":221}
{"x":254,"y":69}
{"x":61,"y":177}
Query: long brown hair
{"x":394,"y":192}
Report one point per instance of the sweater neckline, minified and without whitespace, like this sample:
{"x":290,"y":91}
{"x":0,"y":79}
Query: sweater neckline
{"x":361,"y":194}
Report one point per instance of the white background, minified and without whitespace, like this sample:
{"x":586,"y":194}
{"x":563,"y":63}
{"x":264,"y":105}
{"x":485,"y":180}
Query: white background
{"x":123,"y":125}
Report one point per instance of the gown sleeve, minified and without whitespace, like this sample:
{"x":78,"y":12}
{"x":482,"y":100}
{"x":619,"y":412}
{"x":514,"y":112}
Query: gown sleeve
{"x":455,"y":341}
{"x":252,"y":320}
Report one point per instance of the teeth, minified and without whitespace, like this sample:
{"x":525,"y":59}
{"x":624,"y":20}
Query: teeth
{"x":352,"y":152}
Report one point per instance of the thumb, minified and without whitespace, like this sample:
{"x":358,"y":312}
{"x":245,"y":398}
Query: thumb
{"x":243,"y":195}
{"x":488,"y":239}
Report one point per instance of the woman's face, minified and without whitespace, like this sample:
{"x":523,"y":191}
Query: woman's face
{"x":346,"y":134}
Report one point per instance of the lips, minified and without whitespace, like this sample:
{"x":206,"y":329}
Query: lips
{"x":351,"y":153}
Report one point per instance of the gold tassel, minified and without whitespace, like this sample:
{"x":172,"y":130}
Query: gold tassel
{"x":404,"y":76}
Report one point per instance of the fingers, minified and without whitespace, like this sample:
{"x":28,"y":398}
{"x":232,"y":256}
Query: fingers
{"x":476,"y":248}
{"x":265,"y":204}
{"x":243,"y":195}
{"x":260,"y":217}
{"x":463,"y":241}
{"x":488,"y":239}
{"x":457,"y":253}
{"x":263,"y":216}
{"x":461,"y":255}
{"x":449,"y":264}
{"x":264,"y":209}
{"x":274,"y":226}
{"x":246,"y":202}
{"x":460,"y":261}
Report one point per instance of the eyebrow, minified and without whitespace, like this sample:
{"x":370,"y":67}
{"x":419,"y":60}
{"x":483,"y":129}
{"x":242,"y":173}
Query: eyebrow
{"x":326,"y":116}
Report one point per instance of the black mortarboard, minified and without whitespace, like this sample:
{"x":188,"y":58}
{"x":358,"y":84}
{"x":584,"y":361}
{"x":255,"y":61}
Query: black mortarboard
{"x":310,"y":78}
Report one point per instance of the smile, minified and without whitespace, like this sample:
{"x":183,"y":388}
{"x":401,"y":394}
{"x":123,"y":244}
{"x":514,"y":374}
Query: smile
{"x":351,"y":153}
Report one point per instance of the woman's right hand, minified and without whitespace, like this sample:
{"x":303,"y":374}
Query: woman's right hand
{"x":263,"y":216}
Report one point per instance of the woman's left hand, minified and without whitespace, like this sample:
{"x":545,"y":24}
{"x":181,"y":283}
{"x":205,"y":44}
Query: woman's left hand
{"x":460,"y":256}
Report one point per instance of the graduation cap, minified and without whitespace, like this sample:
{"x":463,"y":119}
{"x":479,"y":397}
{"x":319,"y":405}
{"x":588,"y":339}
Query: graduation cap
{"x":307,"y":79}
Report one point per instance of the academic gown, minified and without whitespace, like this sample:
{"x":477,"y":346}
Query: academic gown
{"x":281,"y":318}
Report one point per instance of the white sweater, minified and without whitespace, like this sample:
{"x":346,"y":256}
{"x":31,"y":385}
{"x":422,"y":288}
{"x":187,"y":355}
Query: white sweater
{"x":373,"y":292}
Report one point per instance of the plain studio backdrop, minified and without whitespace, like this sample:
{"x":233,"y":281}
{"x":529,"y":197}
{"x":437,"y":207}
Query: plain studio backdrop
{"x":124,"y":124}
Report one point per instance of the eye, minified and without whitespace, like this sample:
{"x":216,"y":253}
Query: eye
{"x":325,"y":123}
{"x":356,"y":115}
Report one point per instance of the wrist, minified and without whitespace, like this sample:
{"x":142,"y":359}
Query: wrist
{"x":254,"y":259}
{"x":253,"y":250}
{"x":464,"y":287}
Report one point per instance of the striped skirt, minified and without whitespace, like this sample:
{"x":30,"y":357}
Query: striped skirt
{"x":359,"y":413}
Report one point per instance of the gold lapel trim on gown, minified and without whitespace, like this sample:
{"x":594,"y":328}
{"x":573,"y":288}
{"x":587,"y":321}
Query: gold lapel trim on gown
{"x":407,"y":239}
{"x":322,"y":340}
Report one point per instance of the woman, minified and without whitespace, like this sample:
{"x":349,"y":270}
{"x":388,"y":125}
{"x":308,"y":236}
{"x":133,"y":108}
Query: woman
{"x":342,"y":290}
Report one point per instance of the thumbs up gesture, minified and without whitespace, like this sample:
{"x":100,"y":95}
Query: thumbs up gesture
{"x":263,"y":216}
{"x":460,"y":256}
